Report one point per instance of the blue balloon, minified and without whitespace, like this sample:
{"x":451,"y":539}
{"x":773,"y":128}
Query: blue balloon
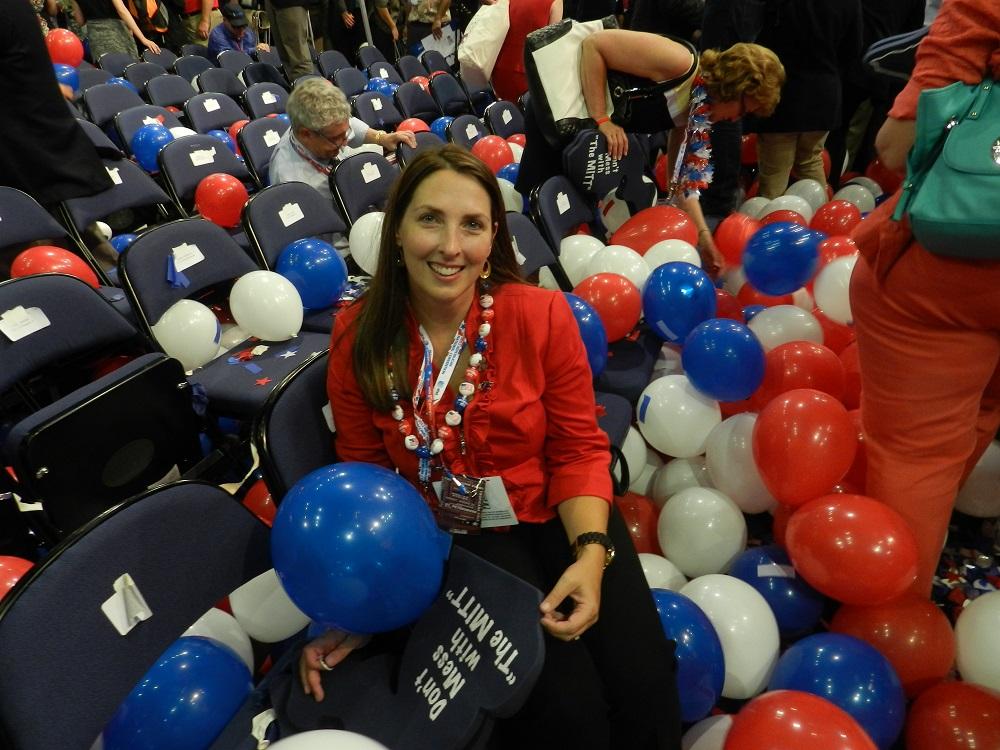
{"x":592,"y":331}
{"x":779,"y":258}
{"x":223,"y":136}
{"x":677,"y":297}
{"x":440,"y":127}
{"x":316,"y":269}
{"x":750,"y":311}
{"x":356,"y":547}
{"x":797,"y":606}
{"x":146,"y":144}
{"x":284,"y":118}
{"x":67,"y":75}
{"x":185,"y":700}
{"x":509,"y":171}
{"x":375,"y":84}
{"x":117,"y":81}
{"x":723,"y":359}
{"x":390,"y":89}
{"x":701,"y":669}
{"x":121,"y":241}
{"x":850,"y":674}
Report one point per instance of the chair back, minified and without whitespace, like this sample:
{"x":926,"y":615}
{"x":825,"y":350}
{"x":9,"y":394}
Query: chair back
{"x":425,"y":140}
{"x":433,"y":60}
{"x":258,"y":139}
{"x":465,"y":130}
{"x":170,"y":90}
{"x":410,"y":67}
{"x":131,"y":188}
{"x":481,"y":98}
{"x":139,"y":73}
{"x":532,"y":251}
{"x":92,"y":76}
{"x":559,"y":208}
{"x":24,"y":220}
{"x":350,"y":80}
{"x":450,"y":96}
{"x":221,"y":81}
{"x":330,"y":61}
{"x":190,"y":67}
{"x":198,"y":50}
{"x":129,"y":121}
{"x":504,"y":119}
{"x":377,"y":110}
{"x":382,"y":69}
{"x":187,"y":161}
{"x":264,"y":99}
{"x":115,"y":62}
{"x":281,"y":214}
{"x":262,"y":72}
{"x":212,"y":111}
{"x":105,"y":100}
{"x":98,"y":137}
{"x":413,"y":101}
{"x":369,"y":54}
{"x":361,"y":183}
{"x":271,"y":57}
{"x":164,"y":58}
{"x":234,"y":60}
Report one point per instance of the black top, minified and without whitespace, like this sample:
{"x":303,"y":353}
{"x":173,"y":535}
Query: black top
{"x":96,"y":9}
{"x":43,"y":151}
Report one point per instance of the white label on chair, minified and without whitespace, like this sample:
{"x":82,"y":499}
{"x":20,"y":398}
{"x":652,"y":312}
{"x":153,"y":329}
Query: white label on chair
{"x":186,"y":255}
{"x":376,"y":104}
{"x":212,"y":105}
{"x":471,"y":131}
{"x":562,"y":203}
{"x":126,"y":608}
{"x":203,"y":156}
{"x":506,"y":117}
{"x":113,"y":174}
{"x":151,"y":121}
{"x":517,"y":253}
{"x":328,"y":416}
{"x":271,"y":138}
{"x":369,"y":172}
{"x":19,"y":322}
{"x":268,"y":97}
{"x":383,"y":73}
{"x":290,"y":213}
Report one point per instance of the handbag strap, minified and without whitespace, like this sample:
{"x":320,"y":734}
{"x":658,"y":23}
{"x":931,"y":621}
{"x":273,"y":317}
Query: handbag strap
{"x":619,"y":90}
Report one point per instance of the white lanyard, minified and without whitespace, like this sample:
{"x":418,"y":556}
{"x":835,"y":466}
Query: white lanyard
{"x":423,"y":393}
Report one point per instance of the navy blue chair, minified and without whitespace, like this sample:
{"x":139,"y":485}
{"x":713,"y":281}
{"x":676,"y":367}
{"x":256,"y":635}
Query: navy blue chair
{"x":504,"y":119}
{"x":410,"y":67}
{"x":425,"y":140}
{"x":262,"y":72}
{"x":129,"y":121}
{"x":170,"y":90}
{"x":104,"y":145}
{"x":212,"y":111}
{"x":116,"y":62}
{"x":382,"y":69}
{"x":139,"y":73}
{"x":197,"y":50}
{"x":189,"y":67}
{"x":330,"y":61}
{"x":465,"y":130}
{"x":104,"y":100}
{"x":351,"y":81}
{"x":433,"y":60}
{"x":271,"y":57}
{"x":481,"y":98}
{"x":369,"y":54}
{"x":234,"y":60}
{"x":221,"y":81}
{"x":413,"y":101}
{"x":450,"y":95}
{"x":377,"y":110}
{"x":262,"y":99}
{"x":92,"y":76}
{"x":164,"y":58}
{"x":361,"y":183}
{"x":257,"y":140}
{"x":186,"y":161}
{"x":532,"y":251}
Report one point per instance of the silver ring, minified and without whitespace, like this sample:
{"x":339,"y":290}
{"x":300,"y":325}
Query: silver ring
{"x":576,"y":638}
{"x":323,"y":665}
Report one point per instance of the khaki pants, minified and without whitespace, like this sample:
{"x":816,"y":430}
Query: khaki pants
{"x":191,"y":26}
{"x":291,"y":31}
{"x":778,"y":154}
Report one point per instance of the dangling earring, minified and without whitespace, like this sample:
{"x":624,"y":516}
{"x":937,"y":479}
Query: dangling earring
{"x":487,"y":270}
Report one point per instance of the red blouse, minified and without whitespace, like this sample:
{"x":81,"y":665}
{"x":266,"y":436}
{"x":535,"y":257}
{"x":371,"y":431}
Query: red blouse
{"x":535,"y":426}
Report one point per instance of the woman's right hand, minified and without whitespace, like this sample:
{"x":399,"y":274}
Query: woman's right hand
{"x":348,"y":19}
{"x":617,"y":140}
{"x":330,"y":649}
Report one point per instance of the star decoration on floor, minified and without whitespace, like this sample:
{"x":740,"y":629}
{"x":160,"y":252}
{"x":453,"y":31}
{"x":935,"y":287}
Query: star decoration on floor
{"x":262,"y":381}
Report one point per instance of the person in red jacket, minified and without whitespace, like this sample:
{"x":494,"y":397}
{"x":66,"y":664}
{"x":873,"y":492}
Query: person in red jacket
{"x":509,"y":79}
{"x":928,"y":326}
{"x":451,"y":369}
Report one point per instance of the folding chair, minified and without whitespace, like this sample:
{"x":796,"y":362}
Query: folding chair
{"x":234,"y":60}
{"x":425,"y":140}
{"x":895,"y":56}
{"x":304,"y":77}
{"x":480,"y":98}
{"x":532,"y":251}
{"x":433,"y":60}
{"x":377,"y":110}
{"x":116,"y":62}
{"x":465,"y":130}
{"x":92,"y":76}
{"x":190,"y":67}
{"x":257,"y":140}
{"x":169,"y":541}
{"x":271,"y":57}
{"x":212,"y":111}
{"x":383,"y":69}
{"x":187,"y":161}
{"x":220,"y":81}
{"x":504,"y":119}
{"x":128,"y":122}
{"x":260,"y":72}
{"x":369,"y":54}
{"x":413,"y":101}
{"x":292,"y":434}
{"x":234,"y":387}
{"x":330,"y":61}
{"x":106,"y":100}
{"x":199,"y":50}
{"x":170,"y":90}
{"x":262,"y":99}
{"x":410,"y":67}
{"x":164,"y":58}
{"x":450,"y":96}
{"x":361,"y":183}
{"x":351,"y":81}
{"x":80,"y":445}
{"x":98,"y":137}
{"x":139,"y":73}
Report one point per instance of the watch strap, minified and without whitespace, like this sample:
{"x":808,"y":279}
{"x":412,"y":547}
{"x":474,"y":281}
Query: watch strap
{"x":595,"y":537}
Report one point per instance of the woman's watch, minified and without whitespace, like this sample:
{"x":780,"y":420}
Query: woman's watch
{"x":595,"y":537}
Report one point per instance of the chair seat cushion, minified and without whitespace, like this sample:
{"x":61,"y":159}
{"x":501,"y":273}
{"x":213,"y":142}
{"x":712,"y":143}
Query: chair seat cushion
{"x":629,"y":368}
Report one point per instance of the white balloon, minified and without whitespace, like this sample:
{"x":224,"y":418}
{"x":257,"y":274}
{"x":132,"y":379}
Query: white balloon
{"x":512,"y":200}
{"x":675,"y":418}
{"x":103,"y":229}
{"x":643,"y":483}
{"x":668,"y":362}
{"x":774,"y":326}
{"x":660,"y":572}
{"x":327,"y":739}
{"x":364,"y":240}
{"x":832,"y":289}
{"x":733,"y":280}
{"x":729,"y":459}
{"x":669,"y":251}
{"x":621,"y":260}
{"x":575,"y":252}
{"x":802,"y":298}
{"x":547,"y":281}
{"x":614,"y":212}
{"x":223,"y":627}
{"x":264,"y":610}
{"x":708,"y":734}
{"x":517,"y":150}
{"x":180,"y":132}
{"x":794,"y":203}
{"x":188,"y":331}
{"x":701,"y":531}
{"x":980,"y":495}
{"x":746,"y":628}
{"x":976,"y":655}
{"x":809,"y":190}
{"x":266,"y":305}
{"x":867,"y":182}
{"x":753,"y":207}
{"x":676,"y":475}
{"x":232,"y":335}
{"x":857,"y":194}
{"x":634,"y":450}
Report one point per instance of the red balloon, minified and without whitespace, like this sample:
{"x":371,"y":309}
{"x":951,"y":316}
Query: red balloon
{"x":414,"y":125}
{"x":732,"y":234}
{"x":64,"y":47}
{"x":857,"y":475}
{"x":172,"y":108}
{"x":660,"y":173}
{"x":793,"y":720}
{"x":853,"y":549}
{"x":799,"y":364}
{"x":12,"y":568}
{"x":836,"y":218}
{"x":827,"y":165}
{"x":911,"y":632}
{"x":779,"y":523}
{"x":235,"y":128}
{"x":803,"y":444}
{"x":753,"y":190}
{"x":888,"y":180}
{"x":852,"y":375}
{"x":258,"y":501}
{"x":836,"y":337}
{"x":640,"y":516}
{"x":616,"y":300}
{"x":727,"y":306}
{"x":786,"y":215}
{"x":655,"y":224}
{"x":423,"y":82}
{"x":219,"y":198}
{"x":107,"y":365}
{"x":493,"y":151}
{"x":436,"y":73}
{"x":748,"y":151}
{"x":517,"y":138}
{"x":747,"y":296}
{"x":835,"y":247}
{"x":954,"y":716}
{"x":49,"y":259}
{"x":729,"y":408}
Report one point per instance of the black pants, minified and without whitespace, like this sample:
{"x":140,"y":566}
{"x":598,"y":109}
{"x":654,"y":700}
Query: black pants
{"x":615,"y":688}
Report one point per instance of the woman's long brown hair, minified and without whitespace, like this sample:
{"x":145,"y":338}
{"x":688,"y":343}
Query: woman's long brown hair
{"x":381,"y":334}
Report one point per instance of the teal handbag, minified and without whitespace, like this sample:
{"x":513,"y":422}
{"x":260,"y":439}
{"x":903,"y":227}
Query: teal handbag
{"x":952,"y":185}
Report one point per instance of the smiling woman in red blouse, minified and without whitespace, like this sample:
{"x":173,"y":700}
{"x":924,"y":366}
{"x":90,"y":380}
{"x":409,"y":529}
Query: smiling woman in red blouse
{"x":452,"y":370}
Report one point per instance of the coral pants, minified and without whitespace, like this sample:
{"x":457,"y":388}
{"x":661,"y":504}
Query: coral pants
{"x":928,"y":331}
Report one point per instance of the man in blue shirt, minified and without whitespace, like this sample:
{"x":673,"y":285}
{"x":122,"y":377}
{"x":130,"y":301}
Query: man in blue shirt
{"x":233,"y":33}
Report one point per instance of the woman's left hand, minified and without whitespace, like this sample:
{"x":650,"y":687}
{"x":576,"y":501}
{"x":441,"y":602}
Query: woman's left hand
{"x":580,"y":582}
{"x":711,"y":259}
